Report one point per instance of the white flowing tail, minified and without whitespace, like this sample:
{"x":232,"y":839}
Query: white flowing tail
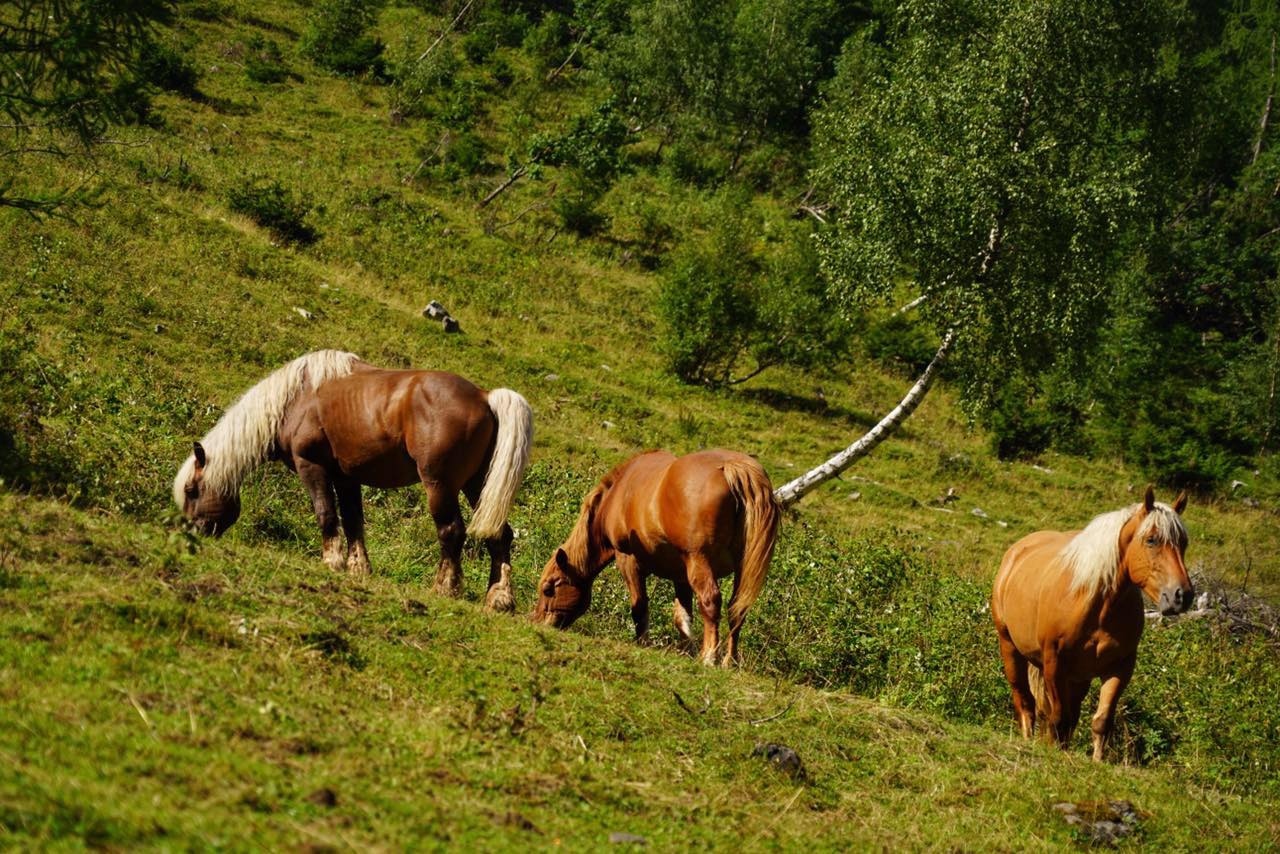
{"x":506,"y":467}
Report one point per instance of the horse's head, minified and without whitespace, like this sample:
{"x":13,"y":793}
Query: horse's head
{"x":209,"y":510}
{"x":564,"y":592}
{"x":1153,"y":557}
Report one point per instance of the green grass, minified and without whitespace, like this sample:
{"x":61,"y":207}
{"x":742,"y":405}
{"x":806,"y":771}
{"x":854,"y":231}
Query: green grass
{"x":135,"y":711}
{"x":159,"y":692}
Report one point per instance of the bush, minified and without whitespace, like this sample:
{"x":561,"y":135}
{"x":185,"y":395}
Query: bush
{"x":494,"y":27}
{"x":576,"y":208}
{"x":417,"y":80}
{"x":337,"y":37}
{"x":263,"y":62}
{"x":547,"y":44}
{"x":273,"y":206}
{"x":165,"y":66}
{"x":900,"y":344}
{"x":722,"y":301}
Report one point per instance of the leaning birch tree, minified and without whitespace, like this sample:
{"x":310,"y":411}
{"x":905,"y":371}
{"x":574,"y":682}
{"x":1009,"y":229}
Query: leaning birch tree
{"x":997,"y":155}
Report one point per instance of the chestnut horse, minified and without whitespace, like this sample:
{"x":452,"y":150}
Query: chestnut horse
{"x":692,"y":520}
{"x":341,"y":424}
{"x":1068,"y":610}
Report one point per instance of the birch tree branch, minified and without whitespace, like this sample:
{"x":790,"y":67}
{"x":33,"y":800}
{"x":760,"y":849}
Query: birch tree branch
{"x":793,"y":491}
{"x":1266,"y":110}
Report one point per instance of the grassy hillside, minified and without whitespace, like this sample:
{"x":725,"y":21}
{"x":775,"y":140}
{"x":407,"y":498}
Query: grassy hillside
{"x":160,"y":693}
{"x":124,"y":332}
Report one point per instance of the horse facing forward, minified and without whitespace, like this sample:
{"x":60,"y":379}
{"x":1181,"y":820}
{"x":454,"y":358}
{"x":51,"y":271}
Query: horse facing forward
{"x":341,"y":424}
{"x":1068,"y":610}
{"x":692,"y":520}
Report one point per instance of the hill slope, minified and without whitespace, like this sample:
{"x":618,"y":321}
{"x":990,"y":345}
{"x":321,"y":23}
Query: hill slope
{"x":158,"y":693}
{"x":158,"y":689}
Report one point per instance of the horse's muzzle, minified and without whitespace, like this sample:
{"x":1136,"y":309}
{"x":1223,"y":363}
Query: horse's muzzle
{"x":1176,"y":600}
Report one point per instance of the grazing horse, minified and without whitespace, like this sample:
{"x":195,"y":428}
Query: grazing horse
{"x":692,"y":520}
{"x":1068,"y":610}
{"x":341,"y":424}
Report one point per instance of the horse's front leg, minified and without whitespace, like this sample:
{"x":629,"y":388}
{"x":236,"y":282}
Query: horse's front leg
{"x":447,"y":515}
{"x":638,"y":589}
{"x":1105,"y":717}
{"x":500,"y":598}
{"x":351,"y":507}
{"x":682,"y":615}
{"x":703,"y":581}
{"x":316,"y":479}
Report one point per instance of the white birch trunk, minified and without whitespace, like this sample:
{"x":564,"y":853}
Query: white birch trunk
{"x":792,"y":492}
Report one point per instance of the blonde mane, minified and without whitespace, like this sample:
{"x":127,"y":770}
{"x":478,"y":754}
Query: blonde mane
{"x":577,"y":546}
{"x":1093,"y":555}
{"x":243,"y":437}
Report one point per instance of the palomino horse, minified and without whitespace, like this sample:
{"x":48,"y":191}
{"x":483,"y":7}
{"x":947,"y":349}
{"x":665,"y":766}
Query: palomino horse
{"x":691,"y":519}
{"x":1068,"y":610}
{"x":341,"y":423}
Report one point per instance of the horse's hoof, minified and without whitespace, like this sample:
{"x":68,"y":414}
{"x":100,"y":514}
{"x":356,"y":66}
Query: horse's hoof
{"x":500,"y":601}
{"x":449,"y":591}
{"x":359,"y":569}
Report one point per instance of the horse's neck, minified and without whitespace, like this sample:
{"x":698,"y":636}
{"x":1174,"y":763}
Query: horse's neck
{"x":1122,"y":602}
{"x":600,"y":548}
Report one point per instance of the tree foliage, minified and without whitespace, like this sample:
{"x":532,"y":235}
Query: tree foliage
{"x":732,"y":309}
{"x":997,"y":156}
{"x":68,"y":70}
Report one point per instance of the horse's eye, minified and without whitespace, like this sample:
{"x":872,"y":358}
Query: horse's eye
{"x":193,"y":491}
{"x":1151,"y":541}
{"x":550,"y":589}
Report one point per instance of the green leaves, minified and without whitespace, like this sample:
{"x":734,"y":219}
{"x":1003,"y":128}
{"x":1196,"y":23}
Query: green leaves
{"x":996,"y":156}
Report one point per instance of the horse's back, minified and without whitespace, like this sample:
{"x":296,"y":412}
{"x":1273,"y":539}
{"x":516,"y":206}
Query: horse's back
{"x":388,"y":423}
{"x":697,"y":504}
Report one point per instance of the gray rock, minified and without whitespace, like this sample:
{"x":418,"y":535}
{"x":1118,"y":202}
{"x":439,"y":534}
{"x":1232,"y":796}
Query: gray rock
{"x":620,"y":837}
{"x":782,"y":758}
{"x":979,"y":512}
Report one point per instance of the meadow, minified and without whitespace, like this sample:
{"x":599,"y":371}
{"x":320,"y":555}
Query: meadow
{"x":169,"y":692}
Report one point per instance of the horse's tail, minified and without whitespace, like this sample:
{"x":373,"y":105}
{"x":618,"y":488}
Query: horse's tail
{"x":761,"y":514}
{"x":507,"y":465}
{"x":1035,"y":680}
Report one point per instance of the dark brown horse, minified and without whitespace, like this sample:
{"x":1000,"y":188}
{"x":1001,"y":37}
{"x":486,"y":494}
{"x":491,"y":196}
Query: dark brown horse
{"x":341,"y":424}
{"x":692,"y":520}
{"x":1068,"y":610}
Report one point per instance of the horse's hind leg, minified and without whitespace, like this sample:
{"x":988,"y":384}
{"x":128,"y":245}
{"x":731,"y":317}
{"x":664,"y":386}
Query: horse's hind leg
{"x":500,"y":598}
{"x":732,"y":652}
{"x":1015,"y":670}
{"x":447,"y":515}
{"x":1104,"y":718}
{"x":703,"y":581}
{"x":317,"y":481}
{"x":351,"y":507}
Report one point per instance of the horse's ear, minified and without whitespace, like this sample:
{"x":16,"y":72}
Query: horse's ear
{"x":1149,"y":500}
{"x":1180,"y":503}
{"x":198,"y":450}
{"x":562,"y":560}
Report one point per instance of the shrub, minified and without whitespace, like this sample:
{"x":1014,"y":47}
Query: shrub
{"x":273,"y":206}
{"x":418,"y":78}
{"x":165,"y":66}
{"x":576,"y":208}
{"x":547,"y":44}
{"x":900,"y":343}
{"x":337,"y":37}
{"x":263,"y":62}
{"x":721,"y":301}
